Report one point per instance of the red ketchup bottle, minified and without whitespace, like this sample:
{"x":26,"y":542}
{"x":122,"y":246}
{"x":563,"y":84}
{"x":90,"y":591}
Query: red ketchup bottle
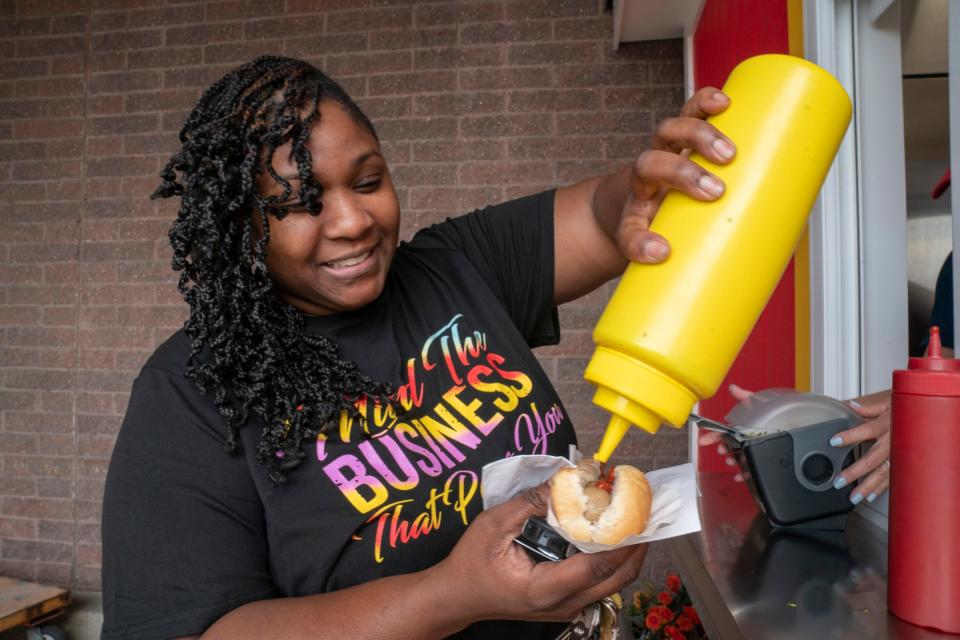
{"x":923,"y":582}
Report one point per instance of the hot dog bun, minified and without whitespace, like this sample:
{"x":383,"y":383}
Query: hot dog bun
{"x":579,"y":506}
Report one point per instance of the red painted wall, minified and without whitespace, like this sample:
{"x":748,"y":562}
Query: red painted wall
{"x":730,"y":31}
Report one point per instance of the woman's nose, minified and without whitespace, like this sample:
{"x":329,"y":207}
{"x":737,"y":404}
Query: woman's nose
{"x":344,"y":217}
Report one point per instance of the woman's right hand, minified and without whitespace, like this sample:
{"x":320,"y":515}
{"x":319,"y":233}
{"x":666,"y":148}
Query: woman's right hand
{"x":498,"y":580}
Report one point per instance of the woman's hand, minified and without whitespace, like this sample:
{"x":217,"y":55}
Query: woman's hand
{"x":496,"y":579}
{"x":666,"y":166}
{"x":707,"y":438}
{"x":602,"y":222}
{"x":874,"y":466}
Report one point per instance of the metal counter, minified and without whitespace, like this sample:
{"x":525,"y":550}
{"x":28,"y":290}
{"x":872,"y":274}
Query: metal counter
{"x":751,"y":581}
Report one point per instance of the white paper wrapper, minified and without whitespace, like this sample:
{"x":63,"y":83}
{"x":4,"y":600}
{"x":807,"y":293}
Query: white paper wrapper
{"x":673,"y":510}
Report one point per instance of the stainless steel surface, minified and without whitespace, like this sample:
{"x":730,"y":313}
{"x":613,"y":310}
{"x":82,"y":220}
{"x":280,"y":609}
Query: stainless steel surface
{"x":753,"y":582}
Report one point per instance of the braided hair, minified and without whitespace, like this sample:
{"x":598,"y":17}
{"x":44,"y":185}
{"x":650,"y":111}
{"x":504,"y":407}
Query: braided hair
{"x":248,"y":346}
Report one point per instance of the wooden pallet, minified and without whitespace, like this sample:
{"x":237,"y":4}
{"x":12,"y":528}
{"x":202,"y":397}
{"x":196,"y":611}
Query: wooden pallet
{"x":29,"y":603}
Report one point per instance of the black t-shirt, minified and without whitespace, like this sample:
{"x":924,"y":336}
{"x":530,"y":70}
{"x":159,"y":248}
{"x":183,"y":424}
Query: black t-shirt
{"x":190,"y":532}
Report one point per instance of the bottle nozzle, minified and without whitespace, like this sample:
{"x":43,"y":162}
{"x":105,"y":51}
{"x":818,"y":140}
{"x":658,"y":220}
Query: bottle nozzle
{"x":934,"y":348}
{"x":616,"y":429}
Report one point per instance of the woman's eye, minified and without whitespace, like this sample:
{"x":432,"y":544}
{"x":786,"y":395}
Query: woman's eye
{"x":368,"y":185}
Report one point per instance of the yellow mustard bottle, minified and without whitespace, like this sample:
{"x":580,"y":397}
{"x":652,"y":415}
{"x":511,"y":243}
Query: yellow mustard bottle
{"x":671,"y":331}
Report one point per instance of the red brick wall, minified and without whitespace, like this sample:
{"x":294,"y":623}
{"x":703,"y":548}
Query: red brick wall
{"x":475,"y":102}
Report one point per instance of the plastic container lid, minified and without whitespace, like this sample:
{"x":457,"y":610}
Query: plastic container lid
{"x":932,"y":375}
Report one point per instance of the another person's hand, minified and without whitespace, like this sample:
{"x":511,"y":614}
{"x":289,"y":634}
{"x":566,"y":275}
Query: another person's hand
{"x":666,"y":166}
{"x":496,"y":579}
{"x":873,"y":468}
{"x":707,"y":438}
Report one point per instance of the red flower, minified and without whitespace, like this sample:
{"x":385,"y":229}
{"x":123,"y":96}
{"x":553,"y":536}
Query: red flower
{"x":692,"y":614}
{"x":653,"y":621}
{"x":673,"y":634}
{"x":673,"y":583}
{"x":665,"y":598}
{"x":683,"y":622}
{"x":663,"y":612}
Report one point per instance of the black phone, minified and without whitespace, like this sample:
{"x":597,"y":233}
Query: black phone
{"x":543,"y":542}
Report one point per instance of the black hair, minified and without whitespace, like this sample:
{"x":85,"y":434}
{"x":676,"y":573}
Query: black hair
{"x":249,"y":347}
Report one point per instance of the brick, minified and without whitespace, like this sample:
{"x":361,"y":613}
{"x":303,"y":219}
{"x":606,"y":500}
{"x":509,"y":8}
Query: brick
{"x":47,"y":89}
{"x":122,"y":125}
{"x":111,"y":21}
{"x":538,"y":9}
{"x":557,"y":148}
{"x":555,"y":100}
{"x":449,"y":199}
{"x":554,"y":53}
{"x":12,"y":69}
{"x":33,"y":294}
{"x":490,"y":33}
{"x":505,"y":78}
{"x":48,"y":128}
{"x":40,"y":336}
{"x":584,"y":29}
{"x":424,"y":174}
{"x":124,"y":40}
{"x":36,"y":550}
{"x":24,"y":27}
{"x":454,"y":57}
{"x":61,"y":316}
{"x":10,"y":109}
{"x":200,"y":34}
{"x":601,"y":123}
{"x":56,"y":530}
{"x":16,"y":401}
{"x":493,"y":173}
{"x":653,"y":50}
{"x":166,"y":57}
{"x":51,"y":7}
{"x":108,"y":61}
{"x":412,"y":38}
{"x":312,"y":45}
{"x":643,"y":98}
{"x":322,"y":6}
{"x":163,"y":16}
{"x":104,"y":251}
{"x":15,"y":151}
{"x":667,"y":73}
{"x":512,"y":126}
{"x":193,"y":76}
{"x":369,"y":20}
{"x":42,"y":47}
{"x":126,"y":81}
{"x":22,"y":528}
{"x":283,"y":27}
{"x":458,"y":103}
{"x":65,"y":107}
{"x":149,"y":144}
{"x":56,"y":487}
{"x":49,"y":170}
{"x":418,"y":128}
{"x":574,"y":170}
{"x":47,"y":508}
{"x":429,"y":15}
{"x":457,"y":150}
{"x":68,"y":24}
{"x":598,"y":75}
{"x":417,"y":82}
{"x":392,"y":107}
{"x":243,"y":9}
{"x":625,"y":147}
{"x":366,"y":63}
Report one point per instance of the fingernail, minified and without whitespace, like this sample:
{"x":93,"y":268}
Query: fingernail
{"x":871,"y":497}
{"x":734,"y":388}
{"x":724,"y":148}
{"x":836,"y":441}
{"x":655,"y":249}
{"x":730,"y":462}
{"x":856,"y":498}
{"x":738,"y":477}
{"x":854,"y":404}
{"x":719,"y":95}
{"x":840,"y":482}
{"x":711,"y":185}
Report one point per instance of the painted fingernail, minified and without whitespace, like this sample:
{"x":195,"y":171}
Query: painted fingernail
{"x":854,"y":404}
{"x":711,"y":185}
{"x":871,"y":497}
{"x":738,"y":477}
{"x":723,"y":148}
{"x":655,"y":249}
{"x":840,"y":483}
{"x":856,"y":498}
{"x":836,"y":441}
{"x":730,"y":462}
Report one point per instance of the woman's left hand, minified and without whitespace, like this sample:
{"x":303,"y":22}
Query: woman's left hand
{"x":873,"y":469}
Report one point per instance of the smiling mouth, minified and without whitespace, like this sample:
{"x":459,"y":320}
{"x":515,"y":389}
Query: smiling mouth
{"x":348,"y":262}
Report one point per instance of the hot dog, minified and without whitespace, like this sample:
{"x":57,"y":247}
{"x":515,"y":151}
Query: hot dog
{"x":592,"y":506}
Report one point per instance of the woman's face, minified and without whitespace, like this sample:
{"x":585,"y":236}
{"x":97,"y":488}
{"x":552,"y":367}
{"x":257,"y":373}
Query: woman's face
{"x":338,"y":260}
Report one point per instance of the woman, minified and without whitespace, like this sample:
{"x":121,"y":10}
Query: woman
{"x":358,"y":386}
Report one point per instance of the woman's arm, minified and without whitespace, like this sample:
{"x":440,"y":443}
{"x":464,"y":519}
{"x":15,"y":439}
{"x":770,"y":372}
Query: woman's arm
{"x":485,"y":577}
{"x":602,"y":222}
